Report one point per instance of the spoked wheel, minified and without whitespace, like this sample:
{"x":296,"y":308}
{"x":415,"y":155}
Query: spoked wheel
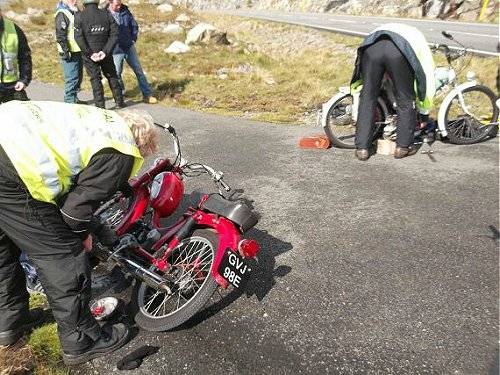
{"x":340,"y":125}
{"x":191,"y":285}
{"x":481,"y":121}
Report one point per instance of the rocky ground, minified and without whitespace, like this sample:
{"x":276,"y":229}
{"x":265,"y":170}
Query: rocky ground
{"x":466,"y":10}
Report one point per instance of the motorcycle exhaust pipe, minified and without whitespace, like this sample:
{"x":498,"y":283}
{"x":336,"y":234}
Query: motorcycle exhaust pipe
{"x":141,"y":273}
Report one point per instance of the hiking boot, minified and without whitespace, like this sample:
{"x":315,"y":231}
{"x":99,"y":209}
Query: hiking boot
{"x":10,"y":337}
{"x":112,"y":339}
{"x":150,"y":100}
{"x":121,"y":105}
{"x":402,"y":152}
{"x":362,"y":154}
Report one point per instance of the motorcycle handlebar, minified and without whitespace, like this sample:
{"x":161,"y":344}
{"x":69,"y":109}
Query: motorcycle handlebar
{"x":216,"y":175}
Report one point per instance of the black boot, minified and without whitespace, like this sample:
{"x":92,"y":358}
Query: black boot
{"x":112,"y":339}
{"x":98,"y":92}
{"x":114,"y":84}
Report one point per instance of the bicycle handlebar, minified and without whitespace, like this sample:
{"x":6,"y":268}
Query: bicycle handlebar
{"x":451,"y":53}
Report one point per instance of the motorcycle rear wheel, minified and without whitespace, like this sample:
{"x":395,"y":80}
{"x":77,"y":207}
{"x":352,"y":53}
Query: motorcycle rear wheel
{"x":192,"y":262}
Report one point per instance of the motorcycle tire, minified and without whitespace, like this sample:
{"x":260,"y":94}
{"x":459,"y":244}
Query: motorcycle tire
{"x":145,"y":303}
{"x":464,"y":129}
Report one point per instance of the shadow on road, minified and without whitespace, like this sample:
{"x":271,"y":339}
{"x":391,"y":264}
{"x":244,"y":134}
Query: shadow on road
{"x":263,"y":277}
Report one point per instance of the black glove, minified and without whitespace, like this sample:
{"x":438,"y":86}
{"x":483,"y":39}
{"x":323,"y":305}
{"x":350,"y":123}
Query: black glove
{"x":106,"y":235}
{"x":66,"y":56}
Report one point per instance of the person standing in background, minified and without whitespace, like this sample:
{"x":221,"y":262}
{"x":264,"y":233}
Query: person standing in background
{"x":96,"y":33}
{"x":15,"y":61}
{"x":125,"y":48}
{"x":69,"y":51}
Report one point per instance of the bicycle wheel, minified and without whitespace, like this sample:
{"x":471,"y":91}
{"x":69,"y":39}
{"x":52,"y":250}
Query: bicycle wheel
{"x":479,"y":124}
{"x":340,"y":126}
{"x":191,"y":263}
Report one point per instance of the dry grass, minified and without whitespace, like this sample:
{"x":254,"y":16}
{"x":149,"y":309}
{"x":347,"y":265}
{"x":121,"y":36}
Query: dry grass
{"x":16,"y":360}
{"x":39,"y":354}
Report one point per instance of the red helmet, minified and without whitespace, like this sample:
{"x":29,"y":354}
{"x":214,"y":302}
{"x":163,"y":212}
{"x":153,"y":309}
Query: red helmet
{"x":166,"y":193}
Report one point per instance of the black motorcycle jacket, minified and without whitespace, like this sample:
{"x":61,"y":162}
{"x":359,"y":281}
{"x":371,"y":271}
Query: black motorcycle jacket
{"x":95,"y":30}
{"x":107,"y":173}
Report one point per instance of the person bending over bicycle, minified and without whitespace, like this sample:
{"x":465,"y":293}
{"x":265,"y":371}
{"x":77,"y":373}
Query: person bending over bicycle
{"x":402,"y":52}
{"x":61,"y":161}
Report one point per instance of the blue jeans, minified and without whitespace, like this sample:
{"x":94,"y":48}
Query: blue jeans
{"x":133,"y":61}
{"x":73,"y":74}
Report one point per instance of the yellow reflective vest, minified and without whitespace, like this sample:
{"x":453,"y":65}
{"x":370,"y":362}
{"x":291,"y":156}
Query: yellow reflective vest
{"x":9,"y":43}
{"x":72,"y":45}
{"x":49,"y":142}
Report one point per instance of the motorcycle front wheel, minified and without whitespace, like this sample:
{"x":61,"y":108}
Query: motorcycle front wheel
{"x":191,"y":264}
{"x":481,"y":121}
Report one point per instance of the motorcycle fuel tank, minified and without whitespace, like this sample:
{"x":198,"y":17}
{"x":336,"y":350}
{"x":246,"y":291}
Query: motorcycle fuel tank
{"x":166,"y":193}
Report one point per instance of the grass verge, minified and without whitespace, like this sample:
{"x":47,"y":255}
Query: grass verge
{"x":39,"y":354}
{"x":271,"y":72}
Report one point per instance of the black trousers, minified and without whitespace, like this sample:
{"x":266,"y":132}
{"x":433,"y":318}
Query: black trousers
{"x":383,"y":56}
{"x":107,"y":66}
{"x":57,"y":254}
{"x":11,"y":94}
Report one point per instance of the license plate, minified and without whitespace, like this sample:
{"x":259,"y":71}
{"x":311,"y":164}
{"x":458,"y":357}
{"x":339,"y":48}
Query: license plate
{"x":234,"y":269}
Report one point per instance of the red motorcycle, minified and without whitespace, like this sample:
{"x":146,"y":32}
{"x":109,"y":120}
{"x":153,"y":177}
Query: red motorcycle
{"x":178,"y":268}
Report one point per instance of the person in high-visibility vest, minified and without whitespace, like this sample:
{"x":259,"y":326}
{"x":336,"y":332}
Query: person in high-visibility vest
{"x":15,"y":61}
{"x":69,"y":51}
{"x":402,"y":52}
{"x":56,"y":168}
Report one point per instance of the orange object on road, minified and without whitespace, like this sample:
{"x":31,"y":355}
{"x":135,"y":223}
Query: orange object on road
{"x":314,"y":141}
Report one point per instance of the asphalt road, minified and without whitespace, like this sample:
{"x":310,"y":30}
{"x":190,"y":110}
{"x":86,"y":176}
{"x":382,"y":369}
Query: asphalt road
{"x":480,"y":38}
{"x":382,"y":267}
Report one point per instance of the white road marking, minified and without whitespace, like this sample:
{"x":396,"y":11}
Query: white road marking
{"x":434,"y":21}
{"x":475,"y":34}
{"x":338,"y":20}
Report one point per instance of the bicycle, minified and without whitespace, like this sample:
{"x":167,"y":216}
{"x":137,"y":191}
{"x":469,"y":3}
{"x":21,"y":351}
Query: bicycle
{"x":468,"y":113}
